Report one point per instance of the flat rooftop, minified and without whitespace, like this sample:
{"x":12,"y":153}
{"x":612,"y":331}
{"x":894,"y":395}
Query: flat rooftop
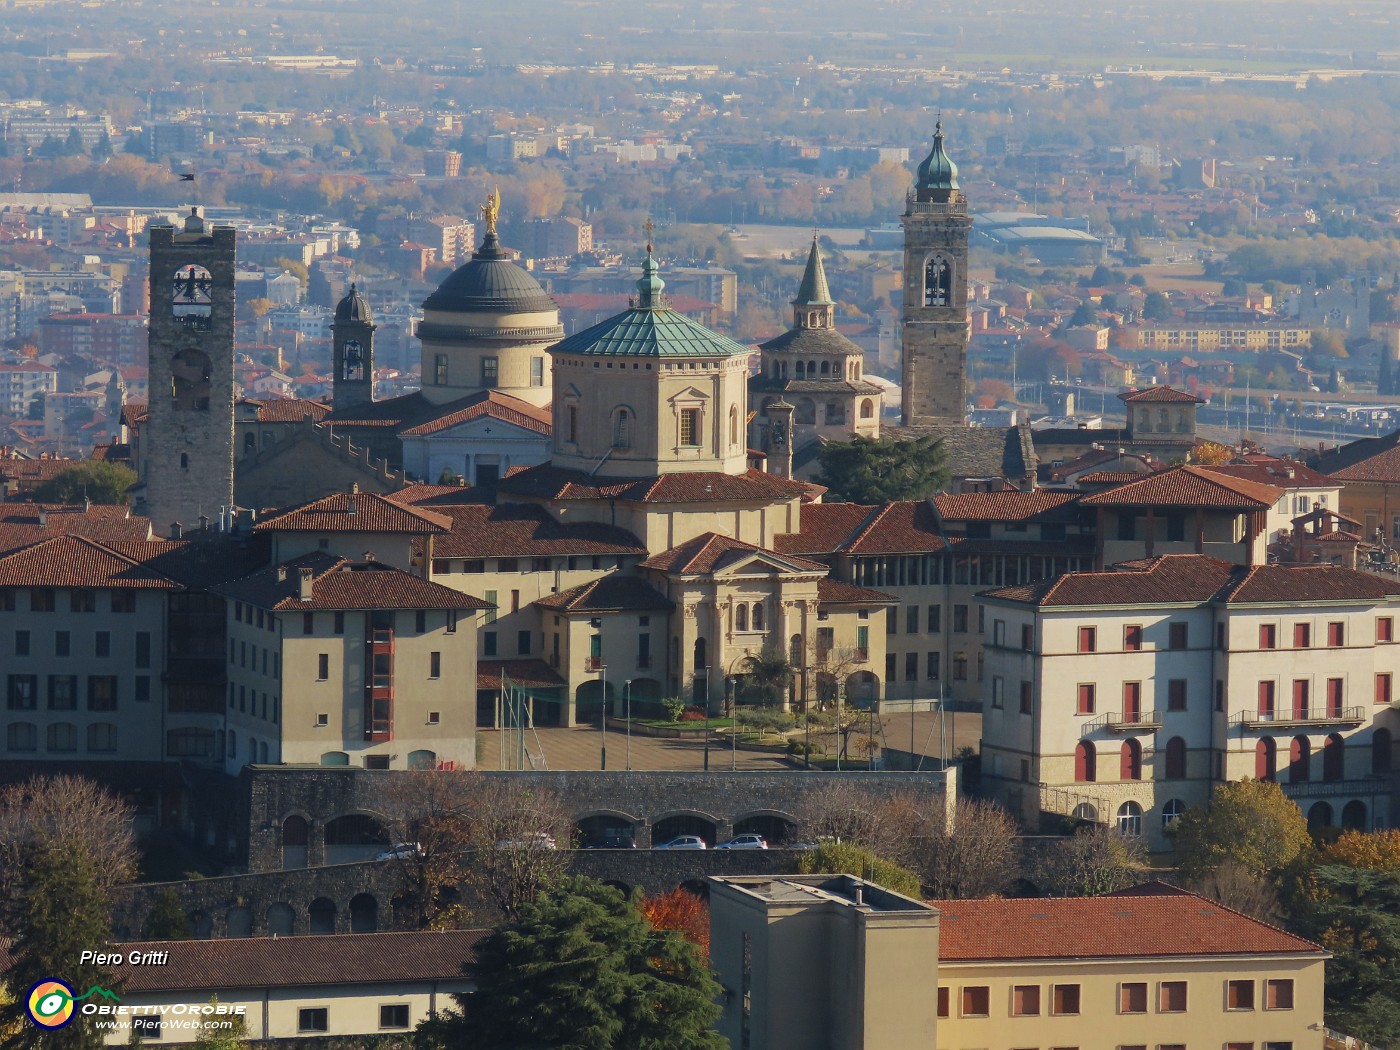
{"x":845,"y":890}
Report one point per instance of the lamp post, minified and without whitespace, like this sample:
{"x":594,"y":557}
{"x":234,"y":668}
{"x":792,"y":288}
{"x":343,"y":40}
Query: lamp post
{"x":840,"y":735}
{"x":627,"y":714}
{"x":730,"y":692}
{"x":705,"y":695}
{"x":603,"y":721}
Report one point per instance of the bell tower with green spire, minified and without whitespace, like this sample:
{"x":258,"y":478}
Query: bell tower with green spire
{"x":936,"y":326}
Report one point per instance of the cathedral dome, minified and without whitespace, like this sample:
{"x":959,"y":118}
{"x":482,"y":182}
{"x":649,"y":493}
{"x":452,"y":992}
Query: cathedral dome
{"x":938,"y":175}
{"x":354,"y":308}
{"x":490,"y":282}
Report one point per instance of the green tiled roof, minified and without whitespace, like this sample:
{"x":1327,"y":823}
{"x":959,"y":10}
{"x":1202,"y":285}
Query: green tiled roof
{"x":814,"y":290}
{"x":650,"y":329}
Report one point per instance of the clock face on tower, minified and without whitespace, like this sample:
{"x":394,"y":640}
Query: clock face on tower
{"x":352,"y":361}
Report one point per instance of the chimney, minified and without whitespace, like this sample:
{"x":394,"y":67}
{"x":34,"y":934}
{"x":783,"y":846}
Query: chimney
{"x":305,"y":581}
{"x":368,"y":556}
{"x":43,"y":517}
{"x":175,"y":530}
{"x":204,"y":523}
{"x":281,"y":574}
{"x":354,"y":487}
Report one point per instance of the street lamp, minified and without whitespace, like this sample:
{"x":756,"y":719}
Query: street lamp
{"x":732,"y":694}
{"x":603,"y":721}
{"x":627,"y":714}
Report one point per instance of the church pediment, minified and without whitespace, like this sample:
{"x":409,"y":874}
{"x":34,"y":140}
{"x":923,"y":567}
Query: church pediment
{"x":689,"y":394}
{"x":757,"y":563}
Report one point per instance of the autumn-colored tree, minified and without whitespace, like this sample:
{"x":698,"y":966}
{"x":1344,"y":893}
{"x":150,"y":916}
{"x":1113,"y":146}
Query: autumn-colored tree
{"x":1210,"y":453}
{"x":1250,"y":822}
{"x":684,"y":912}
{"x":1374,"y":850}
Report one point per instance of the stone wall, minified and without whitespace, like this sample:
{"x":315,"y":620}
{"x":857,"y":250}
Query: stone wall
{"x":640,"y":801}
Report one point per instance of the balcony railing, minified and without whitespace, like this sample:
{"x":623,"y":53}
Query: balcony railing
{"x":862,"y":654}
{"x":1283,"y":719}
{"x":1333,"y":788}
{"x":1133,"y":721}
{"x":593,"y":663}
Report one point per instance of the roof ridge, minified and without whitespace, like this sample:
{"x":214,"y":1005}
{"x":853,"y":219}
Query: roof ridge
{"x":871,"y":520}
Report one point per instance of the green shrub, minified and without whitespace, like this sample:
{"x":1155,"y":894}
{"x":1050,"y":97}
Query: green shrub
{"x":844,"y":858}
{"x":673,"y":706}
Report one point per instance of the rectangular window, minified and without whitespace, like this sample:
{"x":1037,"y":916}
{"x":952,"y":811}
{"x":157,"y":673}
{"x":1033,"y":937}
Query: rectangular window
{"x":960,"y":619}
{"x":932,"y":666}
{"x":1027,"y":637}
{"x":490,"y":371}
{"x":491,"y":598}
{"x":1064,"y":1000}
{"x":1302,"y":635}
{"x":488,"y":643}
{"x":911,"y":620}
{"x":1088,"y":639}
{"x":23,"y":692}
{"x":943,"y":997}
{"x":102,"y":692}
{"x":522,"y":642}
{"x":1176,"y":694}
{"x":1385,"y":629}
{"x":1025,"y":1000}
{"x":420,"y":622}
{"x":82,"y":601}
{"x":537,"y":371}
{"x":21,"y":643}
{"x":935,"y":619}
{"x":1132,"y":998}
{"x":643,"y":650}
{"x":1278,"y":993}
{"x":440,"y":369}
{"x":451,"y":621}
{"x":1266,"y":701}
{"x":1132,"y":637}
{"x":1268,"y":636}
{"x":1027,"y":698}
{"x":308,"y":622}
{"x":323,"y":667}
{"x":1239,"y":995}
{"x":435,"y":665}
{"x":1177,"y":635}
{"x":63,"y":692}
{"x":1300,"y":698}
{"x":393,"y":1016}
{"x":1383,"y":693}
{"x":573,"y":424}
{"x":143,"y":649}
{"x":316,"y":1018}
{"x":41,"y":600}
{"x":1336,"y":634}
{"x":1171,"y":997}
{"x":339,"y":627}
{"x":1220,"y":637}
{"x":911,"y":672}
{"x":143,"y":688}
{"x":892,"y":620}
{"x":123,"y":601}
{"x":62,"y":644}
{"x":997,"y":690}
{"x":1085,"y":705}
{"x":690,"y":426}
{"x":976,"y":1001}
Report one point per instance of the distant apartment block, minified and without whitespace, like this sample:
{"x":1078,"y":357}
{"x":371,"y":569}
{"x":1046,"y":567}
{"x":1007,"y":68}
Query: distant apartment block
{"x":1222,"y":338}
{"x":442,"y":164}
{"x":21,"y":383}
{"x":450,"y":236}
{"x":558,"y":238}
{"x":33,"y":131}
{"x":119,"y":338}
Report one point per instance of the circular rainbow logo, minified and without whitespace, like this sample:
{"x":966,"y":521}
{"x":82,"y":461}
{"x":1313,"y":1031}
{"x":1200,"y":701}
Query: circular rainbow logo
{"x":50,"y":1004}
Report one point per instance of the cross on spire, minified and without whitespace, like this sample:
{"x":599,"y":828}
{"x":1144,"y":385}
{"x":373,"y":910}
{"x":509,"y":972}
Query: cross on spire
{"x":650,"y":228}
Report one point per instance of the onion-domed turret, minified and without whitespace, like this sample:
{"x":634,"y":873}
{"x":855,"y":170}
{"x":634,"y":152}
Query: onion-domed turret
{"x":938,"y":176}
{"x":354,"y":308}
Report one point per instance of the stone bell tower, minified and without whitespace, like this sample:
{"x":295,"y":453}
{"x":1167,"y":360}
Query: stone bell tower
{"x":936,"y":326}
{"x":189,"y":429}
{"x":352,"y":339}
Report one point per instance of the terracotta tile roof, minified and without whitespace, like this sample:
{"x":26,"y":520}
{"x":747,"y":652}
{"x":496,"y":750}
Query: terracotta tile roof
{"x":1118,"y":926}
{"x":1300,"y":584}
{"x":1001,"y":506}
{"x":1162,"y":394}
{"x":134,"y":413}
{"x":492,"y":404}
{"x":338,"y":583}
{"x":1110,"y":477}
{"x":1175,"y":578}
{"x":825,"y":528}
{"x":1276,"y":474}
{"x":404,"y":410}
{"x":34,"y":471}
{"x":524,"y":530}
{"x":74,"y":561}
{"x":288,"y":409}
{"x":835,"y":592}
{"x":906,"y":527}
{"x":21,"y":524}
{"x":285,"y":962}
{"x":202,"y":560}
{"x":553,"y":483}
{"x":441,"y":495}
{"x":608,"y":594}
{"x":1369,"y":459}
{"x":1187,"y":487}
{"x":355,"y":512}
{"x":533,"y":674}
{"x":710,"y":551}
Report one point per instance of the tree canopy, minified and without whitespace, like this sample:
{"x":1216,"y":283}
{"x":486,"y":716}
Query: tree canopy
{"x":878,"y":471}
{"x":846,"y":858}
{"x":1251,"y":823}
{"x":583,"y":969}
{"x":93,"y":479}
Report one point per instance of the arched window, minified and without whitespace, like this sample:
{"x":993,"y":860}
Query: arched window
{"x":63,"y":736}
{"x":1172,"y":812}
{"x":1130,"y":819}
{"x":801,"y":371}
{"x":102,"y":737}
{"x":1130,"y":761}
{"x":1085,"y":763}
{"x":622,"y":429}
{"x":758,"y":616}
{"x":1354,"y":815}
{"x":867,"y":409}
{"x":700,"y":660}
{"x":826,"y":368}
{"x":938,"y":281}
{"x":741,"y":617}
{"x":1334,"y":758}
{"x":1299,"y":755}
{"x":1265,"y":759}
{"x":22,"y":736}
{"x":734,"y":426}
{"x":1380,"y":751}
{"x":1085,"y":811}
{"x":1319,"y":816}
{"x":1176,"y":759}
{"x":795,"y":651}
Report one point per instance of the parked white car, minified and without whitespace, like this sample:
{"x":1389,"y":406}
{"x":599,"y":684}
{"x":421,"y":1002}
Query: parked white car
{"x":745,"y":842}
{"x":402,"y":851}
{"x":683,"y":842}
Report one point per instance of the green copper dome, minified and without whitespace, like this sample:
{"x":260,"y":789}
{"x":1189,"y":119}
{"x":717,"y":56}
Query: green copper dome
{"x":814,"y":290}
{"x":650,"y":328}
{"x":938,"y":175}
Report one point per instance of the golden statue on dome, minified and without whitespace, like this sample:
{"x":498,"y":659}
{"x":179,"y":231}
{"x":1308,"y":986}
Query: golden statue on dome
{"x":491,"y":209}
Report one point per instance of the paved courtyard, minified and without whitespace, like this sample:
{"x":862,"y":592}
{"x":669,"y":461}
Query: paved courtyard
{"x":579,"y":747}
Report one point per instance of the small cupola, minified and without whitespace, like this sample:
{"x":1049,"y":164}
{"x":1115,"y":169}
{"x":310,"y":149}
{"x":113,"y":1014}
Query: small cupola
{"x":937,"y":181}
